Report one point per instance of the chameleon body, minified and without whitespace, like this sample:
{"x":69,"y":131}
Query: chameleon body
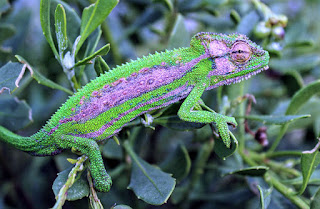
{"x":101,"y":108}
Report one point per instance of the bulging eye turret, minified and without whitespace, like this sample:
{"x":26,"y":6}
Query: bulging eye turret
{"x":240,"y":52}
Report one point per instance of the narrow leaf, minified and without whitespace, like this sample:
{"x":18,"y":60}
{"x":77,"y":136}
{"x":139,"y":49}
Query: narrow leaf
{"x":250,"y":171}
{"x":148,"y":182}
{"x":276,"y":119}
{"x":41,"y":79}
{"x":297,"y":101}
{"x":302,"y":96}
{"x":265,"y":196}
{"x":86,"y":14}
{"x":102,"y":51}
{"x":45,"y":24}
{"x":94,"y":17}
{"x":72,"y":18}
{"x":176,"y":40}
{"x":61,"y":28}
{"x":309,"y":161}
{"x":121,"y":207}
{"x":100,"y":66}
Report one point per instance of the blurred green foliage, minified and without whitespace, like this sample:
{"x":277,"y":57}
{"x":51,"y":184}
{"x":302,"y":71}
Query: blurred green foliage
{"x":270,"y":167}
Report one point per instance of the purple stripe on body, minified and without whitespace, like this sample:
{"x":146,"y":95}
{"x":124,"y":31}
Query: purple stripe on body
{"x":124,"y":89}
{"x":179,"y":93}
{"x":148,"y":79}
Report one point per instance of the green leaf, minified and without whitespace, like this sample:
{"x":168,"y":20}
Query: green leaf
{"x":45,"y":24}
{"x":276,"y":119}
{"x":87,"y":12}
{"x":298,"y":100}
{"x":148,"y":182}
{"x":251,"y":171}
{"x":176,"y":39}
{"x":93,"y":16}
{"x":302,"y":96}
{"x":6,"y":31}
{"x":265,"y":196}
{"x":41,"y":79}
{"x":178,"y":163}
{"x":297,"y":64}
{"x":222,"y":151}
{"x":100,"y":66}
{"x":121,"y":207}
{"x":73,"y":20}
{"x":315,"y":200}
{"x":9,"y":74}
{"x":309,"y":161}
{"x":14,"y":114}
{"x":102,"y":51}
{"x":78,"y":190}
{"x":175,"y":123}
{"x":61,"y":28}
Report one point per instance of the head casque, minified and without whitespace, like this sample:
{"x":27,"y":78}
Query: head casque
{"x":234,"y":57}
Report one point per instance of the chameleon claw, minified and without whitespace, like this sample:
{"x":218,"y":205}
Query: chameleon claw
{"x":223,"y":130}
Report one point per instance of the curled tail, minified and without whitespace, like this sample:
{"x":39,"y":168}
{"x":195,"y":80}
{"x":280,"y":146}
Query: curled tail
{"x":37,"y":144}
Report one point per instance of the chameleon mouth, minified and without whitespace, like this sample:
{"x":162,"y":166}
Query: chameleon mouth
{"x":238,"y":79}
{"x":245,"y":77}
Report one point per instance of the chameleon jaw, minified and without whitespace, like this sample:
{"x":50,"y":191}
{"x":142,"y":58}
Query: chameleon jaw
{"x":238,"y":79}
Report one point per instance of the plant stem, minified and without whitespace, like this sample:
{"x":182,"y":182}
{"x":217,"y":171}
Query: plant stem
{"x":241,"y":121}
{"x":283,"y":154}
{"x":62,"y":195}
{"x":273,"y":180}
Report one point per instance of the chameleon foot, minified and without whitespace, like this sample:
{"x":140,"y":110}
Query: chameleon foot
{"x":222,"y":125}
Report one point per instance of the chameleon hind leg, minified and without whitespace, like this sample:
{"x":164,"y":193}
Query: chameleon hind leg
{"x":187,"y":113}
{"x":101,"y":180}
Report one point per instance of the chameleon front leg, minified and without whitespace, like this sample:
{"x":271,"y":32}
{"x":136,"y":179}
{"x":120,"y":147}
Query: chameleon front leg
{"x":101,"y":180}
{"x":187,"y":113}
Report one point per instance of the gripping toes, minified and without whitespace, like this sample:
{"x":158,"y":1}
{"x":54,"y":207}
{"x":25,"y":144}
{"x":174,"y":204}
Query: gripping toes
{"x":222,"y":125}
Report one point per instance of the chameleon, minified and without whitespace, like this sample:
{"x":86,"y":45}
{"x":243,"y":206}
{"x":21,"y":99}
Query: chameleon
{"x":101,"y":108}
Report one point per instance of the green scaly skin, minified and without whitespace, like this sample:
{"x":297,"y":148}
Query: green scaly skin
{"x":101,"y":108}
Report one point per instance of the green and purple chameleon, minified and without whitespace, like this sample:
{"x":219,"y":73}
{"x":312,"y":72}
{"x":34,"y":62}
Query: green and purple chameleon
{"x":101,"y":108}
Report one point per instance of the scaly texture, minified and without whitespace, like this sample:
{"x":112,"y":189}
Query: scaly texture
{"x":101,"y":108}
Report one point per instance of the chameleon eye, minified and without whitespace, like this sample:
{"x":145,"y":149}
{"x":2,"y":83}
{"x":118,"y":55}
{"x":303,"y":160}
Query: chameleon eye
{"x":240,"y":52}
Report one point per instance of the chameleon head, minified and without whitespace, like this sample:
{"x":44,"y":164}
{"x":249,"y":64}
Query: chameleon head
{"x":232,"y":57}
